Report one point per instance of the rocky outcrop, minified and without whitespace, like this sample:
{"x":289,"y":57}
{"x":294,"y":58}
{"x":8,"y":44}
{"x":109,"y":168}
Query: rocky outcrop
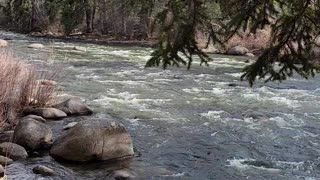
{"x":32,"y":134}
{"x":100,"y":139}
{"x":43,"y":170}
{"x":47,"y":113}
{"x":3,"y":43}
{"x":238,"y":50}
{"x":74,"y":107}
{"x":5,"y":161}
{"x":13,"y":151}
{"x":36,"y":46}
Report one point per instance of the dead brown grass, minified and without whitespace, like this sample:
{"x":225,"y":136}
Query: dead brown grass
{"x":20,"y":88}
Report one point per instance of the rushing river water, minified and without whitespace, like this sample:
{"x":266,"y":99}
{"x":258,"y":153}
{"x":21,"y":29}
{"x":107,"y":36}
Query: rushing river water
{"x":198,"y":124}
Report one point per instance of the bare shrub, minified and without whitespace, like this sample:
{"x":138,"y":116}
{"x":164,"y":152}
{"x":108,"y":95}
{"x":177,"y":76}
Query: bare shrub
{"x":20,"y":88}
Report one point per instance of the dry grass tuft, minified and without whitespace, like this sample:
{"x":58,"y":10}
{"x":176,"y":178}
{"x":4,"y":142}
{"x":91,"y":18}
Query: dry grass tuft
{"x":20,"y":88}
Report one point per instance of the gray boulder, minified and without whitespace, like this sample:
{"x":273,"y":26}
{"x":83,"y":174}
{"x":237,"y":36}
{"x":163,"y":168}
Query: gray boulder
{"x":32,"y":134}
{"x":74,"y":107}
{"x":13,"y":151}
{"x":238,"y":50}
{"x":47,"y":113}
{"x":43,"y":170}
{"x":5,"y":161}
{"x":90,"y":140}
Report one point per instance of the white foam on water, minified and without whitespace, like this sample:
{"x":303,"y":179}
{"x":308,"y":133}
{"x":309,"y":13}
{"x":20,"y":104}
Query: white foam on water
{"x":212,"y":114}
{"x":236,"y":75}
{"x":125,"y":82}
{"x":285,"y":101}
{"x":239,"y":164}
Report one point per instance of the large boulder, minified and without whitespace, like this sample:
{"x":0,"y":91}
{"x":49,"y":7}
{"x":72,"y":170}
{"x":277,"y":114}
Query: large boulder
{"x":13,"y":151}
{"x":238,"y":50}
{"x":3,"y":43}
{"x":74,"y":107}
{"x":90,"y":140}
{"x":32,"y":134}
{"x":36,"y":46}
{"x":47,"y":113}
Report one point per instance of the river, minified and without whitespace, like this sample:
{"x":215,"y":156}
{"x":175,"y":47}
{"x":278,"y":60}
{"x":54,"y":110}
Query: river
{"x":202,"y":123}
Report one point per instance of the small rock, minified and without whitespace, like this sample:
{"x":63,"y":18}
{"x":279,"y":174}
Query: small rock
{"x":5,"y":161}
{"x":43,"y":170}
{"x":70,"y":125}
{"x":13,"y":151}
{"x":2,"y":171}
{"x":36,"y":46}
{"x":35,"y":117}
{"x":47,"y":113}
{"x":46,"y":82}
{"x":238,"y":50}
{"x":249,"y":54}
{"x":32,"y":134}
{"x":3,"y":43}
{"x":74,"y":107}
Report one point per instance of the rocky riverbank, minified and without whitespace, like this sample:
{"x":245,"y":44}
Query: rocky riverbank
{"x":85,"y":141}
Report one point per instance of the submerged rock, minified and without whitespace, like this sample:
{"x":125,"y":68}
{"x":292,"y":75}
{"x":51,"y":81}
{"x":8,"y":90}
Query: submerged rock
{"x":43,"y":170}
{"x":70,"y":125}
{"x":74,"y":107}
{"x":47,"y":113}
{"x":13,"y":151}
{"x":122,"y":175}
{"x":32,"y":134}
{"x":5,"y":161}
{"x":90,"y":140}
{"x":238,"y":50}
{"x":36,"y":46}
{"x":3,"y":43}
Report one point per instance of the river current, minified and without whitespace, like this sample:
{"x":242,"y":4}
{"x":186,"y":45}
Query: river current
{"x":202,"y":123}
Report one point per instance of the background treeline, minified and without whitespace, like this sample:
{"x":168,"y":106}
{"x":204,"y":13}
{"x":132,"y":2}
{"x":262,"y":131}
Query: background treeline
{"x":123,"y":19}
